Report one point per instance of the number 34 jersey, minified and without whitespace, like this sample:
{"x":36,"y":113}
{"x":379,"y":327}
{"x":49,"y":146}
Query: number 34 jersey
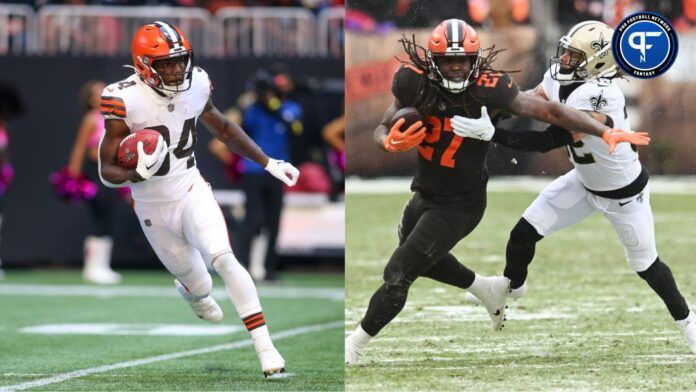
{"x":597,"y":169}
{"x":141,"y":107}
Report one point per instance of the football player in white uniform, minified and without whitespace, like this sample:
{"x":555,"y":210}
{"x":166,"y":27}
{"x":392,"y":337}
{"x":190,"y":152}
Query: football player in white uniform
{"x":614,"y":184}
{"x":175,"y":206}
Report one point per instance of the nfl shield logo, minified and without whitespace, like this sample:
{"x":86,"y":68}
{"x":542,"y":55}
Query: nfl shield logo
{"x":170,"y":107}
{"x":148,"y":223}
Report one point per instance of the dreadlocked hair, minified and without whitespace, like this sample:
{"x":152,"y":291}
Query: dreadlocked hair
{"x":429,"y":93}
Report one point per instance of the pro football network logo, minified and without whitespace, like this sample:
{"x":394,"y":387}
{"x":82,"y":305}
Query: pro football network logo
{"x":645,"y":45}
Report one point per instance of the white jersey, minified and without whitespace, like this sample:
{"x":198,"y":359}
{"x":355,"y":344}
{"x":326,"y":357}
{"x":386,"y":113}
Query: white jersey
{"x":175,"y":118}
{"x":596,"y":168}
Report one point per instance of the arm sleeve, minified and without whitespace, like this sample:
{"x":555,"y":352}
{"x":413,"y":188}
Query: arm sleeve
{"x":552,"y":137}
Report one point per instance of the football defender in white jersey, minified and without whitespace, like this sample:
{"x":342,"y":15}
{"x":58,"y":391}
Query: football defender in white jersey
{"x":614,"y":184}
{"x":175,"y":206}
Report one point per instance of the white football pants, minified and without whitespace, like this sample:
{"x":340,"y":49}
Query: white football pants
{"x":186,"y":232}
{"x":565,"y":202}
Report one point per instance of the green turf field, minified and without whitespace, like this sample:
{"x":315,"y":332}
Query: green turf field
{"x":587,"y":322}
{"x":145,"y":318}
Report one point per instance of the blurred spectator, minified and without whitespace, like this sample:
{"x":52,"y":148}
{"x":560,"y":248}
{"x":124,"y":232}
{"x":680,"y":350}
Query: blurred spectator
{"x":269,"y":121}
{"x":334,"y":134}
{"x":11,"y":105}
{"x":99,"y":242}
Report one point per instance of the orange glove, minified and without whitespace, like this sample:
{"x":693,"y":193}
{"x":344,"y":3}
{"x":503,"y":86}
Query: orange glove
{"x":612,"y":137}
{"x":402,"y":141}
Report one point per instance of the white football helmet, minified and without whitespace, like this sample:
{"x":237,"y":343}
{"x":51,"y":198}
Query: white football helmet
{"x":584,"y":54}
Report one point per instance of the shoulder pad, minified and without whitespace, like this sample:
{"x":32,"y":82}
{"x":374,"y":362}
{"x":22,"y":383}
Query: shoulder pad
{"x":495,"y":89}
{"x":406,"y":84}
{"x":112,"y":105}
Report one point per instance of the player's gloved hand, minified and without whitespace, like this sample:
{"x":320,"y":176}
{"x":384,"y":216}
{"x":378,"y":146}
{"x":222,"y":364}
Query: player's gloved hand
{"x":402,"y":141}
{"x":148,"y":164}
{"x":283,"y":171}
{"x":475,"y":128}
{"x":615,"y":136}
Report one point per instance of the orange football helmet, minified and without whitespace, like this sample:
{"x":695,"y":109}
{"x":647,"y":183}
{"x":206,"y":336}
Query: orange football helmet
{"x":158,"y":42}
{"x":454,"y":37}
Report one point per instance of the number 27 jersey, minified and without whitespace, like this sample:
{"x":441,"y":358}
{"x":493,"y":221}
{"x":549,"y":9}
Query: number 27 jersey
{"x":141,"y":107}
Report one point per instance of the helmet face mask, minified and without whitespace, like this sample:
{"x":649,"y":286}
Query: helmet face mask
{"x":173,"y":72}
{"x":163,"y":58}
{"x":584,"y":54}
{"x":568,"y":64}
{"x":455,"y":71}
{"x":450,"y":41}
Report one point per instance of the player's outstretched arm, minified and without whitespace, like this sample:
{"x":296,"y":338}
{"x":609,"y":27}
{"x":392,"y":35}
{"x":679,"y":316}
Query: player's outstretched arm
{"x":239,"y":142}
{"x":532,"y":106}
{"x":232,"y":135}
{"x":482,"y":129}
{"x":545,"y":141}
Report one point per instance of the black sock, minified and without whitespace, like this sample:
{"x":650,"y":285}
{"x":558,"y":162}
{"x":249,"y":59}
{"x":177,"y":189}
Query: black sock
{"x":450,"y":271}
{"x":661,"y":280}
{"x":520,"y":252}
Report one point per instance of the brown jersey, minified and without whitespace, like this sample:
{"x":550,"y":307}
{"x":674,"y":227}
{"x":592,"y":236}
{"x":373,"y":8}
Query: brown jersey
{"x":450,"y":166}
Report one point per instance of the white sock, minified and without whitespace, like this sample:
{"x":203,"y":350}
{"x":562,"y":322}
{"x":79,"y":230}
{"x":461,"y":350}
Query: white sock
{"x":480,"y":283}
{"x":242,"y":291}
{"x":360,"y":338}
{"x":691,"y":318}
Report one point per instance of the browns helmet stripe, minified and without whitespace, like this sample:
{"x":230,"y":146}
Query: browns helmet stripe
{"x":455,"y":32}
{"x":170,"y":34}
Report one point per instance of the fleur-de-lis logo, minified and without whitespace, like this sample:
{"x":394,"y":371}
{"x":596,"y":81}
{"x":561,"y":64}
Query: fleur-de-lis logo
{"x":598,"y":102}
{"x":599,"y":45}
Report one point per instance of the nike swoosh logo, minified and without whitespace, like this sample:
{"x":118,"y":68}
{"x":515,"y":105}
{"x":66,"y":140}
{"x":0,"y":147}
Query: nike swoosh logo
{"x":151,"y":166}
{"x":396,"y":142}
{"x":509,"y":84}
{"x":623,"y":204}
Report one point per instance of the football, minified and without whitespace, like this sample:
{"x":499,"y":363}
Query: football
{"x":409,"y":113}
{"x":128,"y":149}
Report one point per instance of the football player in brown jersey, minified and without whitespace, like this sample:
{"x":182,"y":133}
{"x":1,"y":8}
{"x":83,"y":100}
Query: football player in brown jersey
{"x":452,"y":78}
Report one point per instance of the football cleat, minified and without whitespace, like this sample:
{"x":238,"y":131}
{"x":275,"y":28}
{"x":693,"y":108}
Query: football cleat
{"x":353,"y":353}
{"x":204,"y":307}
{"x":492,"y":292}
{"x":688,"y":328}
{"x":272,"y":363}
{"x":514,"y":294}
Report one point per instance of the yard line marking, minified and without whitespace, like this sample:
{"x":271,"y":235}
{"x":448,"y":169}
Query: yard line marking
{"x":159,"y":291}
{"x":167,"y":357}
